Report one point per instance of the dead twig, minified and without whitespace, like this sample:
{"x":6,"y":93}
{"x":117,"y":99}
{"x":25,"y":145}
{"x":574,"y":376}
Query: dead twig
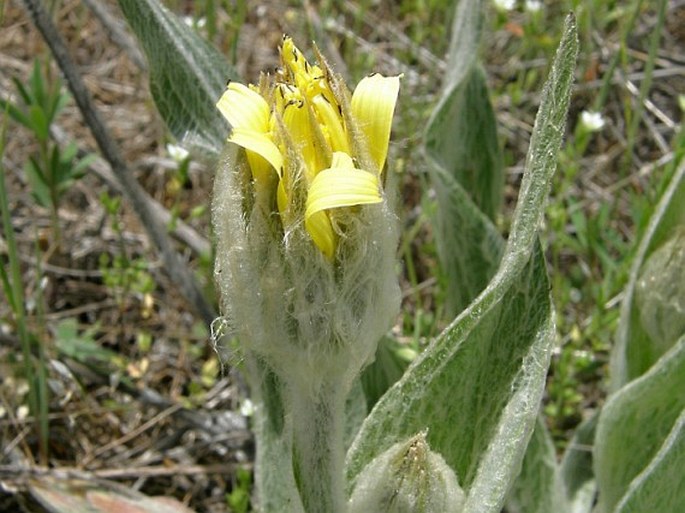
{"x":133,"y":191}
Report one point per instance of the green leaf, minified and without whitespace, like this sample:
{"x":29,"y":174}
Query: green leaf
{"x":463,"y":49}
{"x":25,"y":94}
{"x":39,"y":122}
{"x":577,"y":475}
{"x":469,"y":245}
{"x":462,"y":138}
{"x":467,"y":170}
{"x":16,"y":114}
{"x":639,"y":343}
{"x":633,"y":427}
{"x":385,"y":370}
{"x":538,"y":487}
{"x":661,"y":486}
{"x":39,"y":186}
{"x":187,"y":75}
{"x":38,"y":92}
{"x":476,"y":388}
{"x":82,"y":347}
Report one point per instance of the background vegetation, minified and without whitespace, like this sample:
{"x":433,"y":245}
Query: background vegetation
{"x":106,"y":368}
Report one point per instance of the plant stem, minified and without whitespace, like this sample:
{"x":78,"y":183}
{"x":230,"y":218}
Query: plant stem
{"x":318,"y":452}
{"x":184,"y":277}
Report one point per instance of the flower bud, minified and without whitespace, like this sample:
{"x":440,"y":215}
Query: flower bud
{"x":407,"y":478}
{"x":305,"y":238}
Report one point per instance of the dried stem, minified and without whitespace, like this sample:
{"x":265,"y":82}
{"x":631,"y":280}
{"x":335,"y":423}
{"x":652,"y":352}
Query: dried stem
{"x":131,"y":188}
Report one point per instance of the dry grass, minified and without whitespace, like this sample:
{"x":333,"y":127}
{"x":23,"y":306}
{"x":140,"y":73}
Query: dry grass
{"x":162,"y":419}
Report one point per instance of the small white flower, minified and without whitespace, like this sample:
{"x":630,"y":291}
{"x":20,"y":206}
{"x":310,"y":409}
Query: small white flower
{"x":592,"y":121}
{"x":22,"y":412}
{"x":178,"y":153}
{"x":533,"y":5}
{"x":193,"y":23}
{"x":247,"y":408}
{"x":505,"y":5}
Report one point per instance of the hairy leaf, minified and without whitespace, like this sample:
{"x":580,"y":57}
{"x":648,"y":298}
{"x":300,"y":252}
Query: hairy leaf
{"x":577,"y":475}
{"x":661,"y":486}
{"x":538,"y":487}
{"x":187,"y":75}
{"x":650,"y":326}
{"x":476,"y":389}
{"x":633,"y":427}
{"x":467,"y":174}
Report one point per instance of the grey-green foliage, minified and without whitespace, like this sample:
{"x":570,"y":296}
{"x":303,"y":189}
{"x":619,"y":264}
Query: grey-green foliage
{"x":466,"y":169}
{"x":641,"y":337}
{"x":577,"y":476}
{"x":538,"y":487}
{"x":633,"y":428}
{"x":187,"y":75}
{"x":462,"y":137}
{"x":477,"y":388}
{"x":660,"y":292}
{"x":407,"y":478}
{"x":659,"y":487}
{"x":638,"y":452}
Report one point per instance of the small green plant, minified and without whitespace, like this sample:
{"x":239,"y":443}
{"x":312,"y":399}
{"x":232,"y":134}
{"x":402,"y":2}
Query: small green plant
{"x":51,"y":170}
{"x":121,"y":274}
{"x":32,"y":351}
{"x":239,"y":498}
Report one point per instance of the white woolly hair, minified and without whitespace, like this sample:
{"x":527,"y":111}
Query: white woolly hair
{"x":313,"y":320}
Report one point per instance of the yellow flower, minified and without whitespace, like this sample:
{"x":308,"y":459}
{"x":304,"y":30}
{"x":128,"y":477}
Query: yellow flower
{"x":301,"y":128}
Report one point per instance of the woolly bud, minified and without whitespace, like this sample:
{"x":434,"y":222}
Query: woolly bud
{"x":407,"y":478}
{"x":305,"y":239}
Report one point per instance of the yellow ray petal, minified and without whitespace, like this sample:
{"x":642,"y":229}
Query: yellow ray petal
{"x":296,"y":118}
{"x":259,"y":143}
{"x":321,"y":231}
{"x":333,"y":123}
{"x":373,"y":104}
{"x":341,"y":187}
{"x":244,"y":108}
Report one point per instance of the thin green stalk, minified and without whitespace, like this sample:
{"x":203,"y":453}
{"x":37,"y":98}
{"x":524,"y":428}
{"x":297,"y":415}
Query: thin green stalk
{"x":609,"y":75}
{"x":645,"y":85}
{"x":35,"y":375}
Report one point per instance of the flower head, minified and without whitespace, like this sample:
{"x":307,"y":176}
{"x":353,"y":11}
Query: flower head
{"x":323,"y":150}
{"x":305,"y":237}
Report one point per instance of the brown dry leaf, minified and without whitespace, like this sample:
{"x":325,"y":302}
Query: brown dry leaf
{"x":82,"y":496}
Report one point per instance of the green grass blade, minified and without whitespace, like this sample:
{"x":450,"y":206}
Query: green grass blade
{"x":187,"y":75}
{"x":645,"y":84}
{"x":34,"y":370}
